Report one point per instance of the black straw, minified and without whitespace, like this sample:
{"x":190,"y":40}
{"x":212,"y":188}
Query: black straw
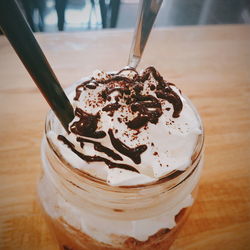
{"x":19,"y":34}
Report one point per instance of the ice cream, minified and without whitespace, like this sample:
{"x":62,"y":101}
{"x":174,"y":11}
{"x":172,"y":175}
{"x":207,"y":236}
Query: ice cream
{"x":129,"y":128}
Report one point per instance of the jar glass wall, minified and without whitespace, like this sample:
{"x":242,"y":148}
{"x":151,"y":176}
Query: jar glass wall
{"x":85,"y":212}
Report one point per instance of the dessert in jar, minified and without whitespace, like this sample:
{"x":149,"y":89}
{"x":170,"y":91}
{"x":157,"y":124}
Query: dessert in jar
{"x":125,"y":174}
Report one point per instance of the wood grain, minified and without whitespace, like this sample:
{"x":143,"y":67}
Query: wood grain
{"x":210,"y":64}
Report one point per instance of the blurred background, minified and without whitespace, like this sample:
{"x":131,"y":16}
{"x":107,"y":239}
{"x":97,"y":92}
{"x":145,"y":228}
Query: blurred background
{"x":80,"y":15}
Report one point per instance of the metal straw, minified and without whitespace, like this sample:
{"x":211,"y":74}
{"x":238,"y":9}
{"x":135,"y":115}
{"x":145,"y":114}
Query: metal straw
{"x":18,"y":32}
{"x":147,"y":12}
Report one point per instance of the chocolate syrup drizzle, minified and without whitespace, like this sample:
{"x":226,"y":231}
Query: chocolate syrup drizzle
{"x":148,"y":109}
{"x":169,"y":95}
{"x":112,"y":107}
{"x":87,"y":125}
{"x":133,"y":153}
{"x":164,"y":91}
{"x":95,"y":158}
{"x":99,"y":147}
{"x":81,"y":86}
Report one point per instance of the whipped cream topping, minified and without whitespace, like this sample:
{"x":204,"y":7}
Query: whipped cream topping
{"x":129,"y":128}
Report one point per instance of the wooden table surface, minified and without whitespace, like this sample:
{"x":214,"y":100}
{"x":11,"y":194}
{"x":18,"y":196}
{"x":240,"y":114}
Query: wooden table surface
{"x":210,"y":64}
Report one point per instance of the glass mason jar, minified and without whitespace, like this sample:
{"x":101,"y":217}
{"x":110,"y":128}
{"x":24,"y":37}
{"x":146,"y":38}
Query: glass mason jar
{"x":85,"y":212}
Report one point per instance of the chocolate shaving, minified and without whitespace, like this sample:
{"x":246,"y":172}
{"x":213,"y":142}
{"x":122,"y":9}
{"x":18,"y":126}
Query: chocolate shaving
{"x":95,"y":158}
{"x":133,"y":153}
